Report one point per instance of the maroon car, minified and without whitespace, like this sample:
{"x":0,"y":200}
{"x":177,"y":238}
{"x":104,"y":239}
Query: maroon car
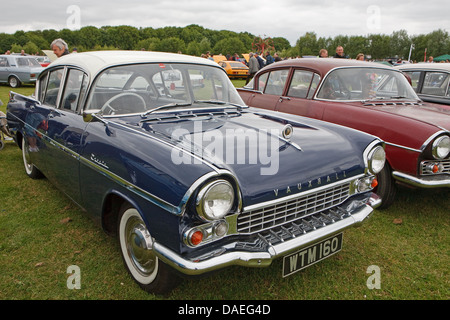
{"x":370,"y":97}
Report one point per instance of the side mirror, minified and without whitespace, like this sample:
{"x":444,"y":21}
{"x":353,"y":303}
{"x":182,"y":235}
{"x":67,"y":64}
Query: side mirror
{"x":91,"y":115}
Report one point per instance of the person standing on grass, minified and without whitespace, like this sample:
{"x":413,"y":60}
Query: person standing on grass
{"x":253,"y":67}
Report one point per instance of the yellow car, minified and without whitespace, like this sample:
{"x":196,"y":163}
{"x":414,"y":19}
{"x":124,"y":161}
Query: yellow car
{"x":234,"y":69}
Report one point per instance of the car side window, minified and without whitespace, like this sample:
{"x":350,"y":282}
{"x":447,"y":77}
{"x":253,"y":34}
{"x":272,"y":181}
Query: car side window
{"x":4,"y":62}
{"x":415,"y":77}
{"x":448,"y":89}
{"x":435,"y":83}
{"x":42,"y":86}
{"x":53,"y":87}
{"x":314,"y":84}
{"x":262,"y":80}
{"x":300,"y":83}
{"x":75,"y":88}
{"x":275,"y":83}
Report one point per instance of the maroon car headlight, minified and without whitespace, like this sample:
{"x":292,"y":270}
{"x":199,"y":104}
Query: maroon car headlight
{"x":441,"y":147}
{"x":215,"y":200}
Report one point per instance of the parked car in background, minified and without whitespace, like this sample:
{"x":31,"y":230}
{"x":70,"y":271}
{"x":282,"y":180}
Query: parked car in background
{"x":15,"y":70}
{"x":370,"y":97}
{"x":234,"y":69}
{"x":431,"y":81}
{"x":44,"y":61}
{"x":189,"y":178}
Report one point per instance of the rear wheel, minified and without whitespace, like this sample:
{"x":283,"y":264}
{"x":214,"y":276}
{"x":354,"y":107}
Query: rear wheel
{"x":30,"y":168}
{"x":136,"y":245}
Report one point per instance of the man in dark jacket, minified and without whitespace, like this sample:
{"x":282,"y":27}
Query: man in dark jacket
{"x":59,"y":47}
{"x":340,"y":53}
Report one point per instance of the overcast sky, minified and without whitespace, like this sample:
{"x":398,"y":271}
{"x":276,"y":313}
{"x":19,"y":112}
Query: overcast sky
{"x":268,"y":18}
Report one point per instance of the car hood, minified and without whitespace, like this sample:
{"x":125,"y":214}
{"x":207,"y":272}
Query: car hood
{"x":266,"y":165}
{"x":433,"y":114}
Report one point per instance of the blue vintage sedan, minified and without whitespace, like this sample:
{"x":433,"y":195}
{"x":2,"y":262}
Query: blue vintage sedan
{"x":160,"y":149}
{"x":16,"y":70}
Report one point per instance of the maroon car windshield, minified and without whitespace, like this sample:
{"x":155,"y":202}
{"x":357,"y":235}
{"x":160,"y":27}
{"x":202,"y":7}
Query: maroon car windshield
{"x":360,"y":84}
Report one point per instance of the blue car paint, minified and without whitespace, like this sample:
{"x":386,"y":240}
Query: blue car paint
{"x":137,"y":153}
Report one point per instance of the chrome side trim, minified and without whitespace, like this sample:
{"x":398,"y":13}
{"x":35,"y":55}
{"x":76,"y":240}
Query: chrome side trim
{"x":432,"y":137}
{"x":131,"y":187}
{"x":437,"y":181}
{"x":224,"y":258}
{"x":403,"y":147}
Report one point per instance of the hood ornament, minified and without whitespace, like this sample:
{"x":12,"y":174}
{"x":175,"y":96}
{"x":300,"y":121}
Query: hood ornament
{"x":286,"y":135}
{"x":287,"y":132}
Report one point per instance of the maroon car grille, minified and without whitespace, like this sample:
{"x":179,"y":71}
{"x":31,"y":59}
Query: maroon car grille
{"x":426,"y":167}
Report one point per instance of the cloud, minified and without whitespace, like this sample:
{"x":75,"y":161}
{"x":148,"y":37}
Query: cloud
{"x":275,"y":18}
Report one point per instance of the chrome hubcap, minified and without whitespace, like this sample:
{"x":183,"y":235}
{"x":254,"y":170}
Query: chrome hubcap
{"x":139,"y":246}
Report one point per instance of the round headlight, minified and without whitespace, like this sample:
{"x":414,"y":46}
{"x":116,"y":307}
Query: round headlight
{"x":441,"y":147}
{"x":377,"y":158}
{"x":215,"y":200}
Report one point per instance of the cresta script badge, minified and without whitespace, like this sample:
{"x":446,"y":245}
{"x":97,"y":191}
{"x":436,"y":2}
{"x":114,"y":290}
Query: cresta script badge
{"x":305,"y":257}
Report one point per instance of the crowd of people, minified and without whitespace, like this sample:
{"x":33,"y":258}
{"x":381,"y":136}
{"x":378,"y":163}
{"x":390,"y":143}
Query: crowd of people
{"x":254,"y":62}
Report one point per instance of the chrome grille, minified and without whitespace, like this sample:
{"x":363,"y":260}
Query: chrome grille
{"x":427,"y":169}
{"x":280,"y":213}
{"x":291,"y":230}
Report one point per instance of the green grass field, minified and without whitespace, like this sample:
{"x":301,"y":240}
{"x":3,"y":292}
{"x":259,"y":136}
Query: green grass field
{"x":42,"y":234}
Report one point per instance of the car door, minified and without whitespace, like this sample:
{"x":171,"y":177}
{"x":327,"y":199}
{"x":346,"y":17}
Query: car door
{"x":269,"y":89}
{"x":298,"y":94}
{"x":4,"y":69}
{"x":65,"y":128}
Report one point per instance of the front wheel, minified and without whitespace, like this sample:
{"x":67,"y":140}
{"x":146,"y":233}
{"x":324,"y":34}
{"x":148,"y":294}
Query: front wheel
{"x":136,"y":245}
{"x":386,"y":188}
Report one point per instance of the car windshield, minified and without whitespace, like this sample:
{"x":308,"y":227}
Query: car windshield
{"x":237,"y":65}
{"x":365,"y":84}
{"x":144,"y":88}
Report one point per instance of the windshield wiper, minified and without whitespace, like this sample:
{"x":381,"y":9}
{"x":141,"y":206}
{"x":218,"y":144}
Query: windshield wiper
{"x":166,"y":106}
{"x":219,"y":102}
{"x":397,"y":97}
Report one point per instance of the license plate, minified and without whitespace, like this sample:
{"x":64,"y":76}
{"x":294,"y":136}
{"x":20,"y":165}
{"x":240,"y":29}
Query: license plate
{"x":313,"y":254}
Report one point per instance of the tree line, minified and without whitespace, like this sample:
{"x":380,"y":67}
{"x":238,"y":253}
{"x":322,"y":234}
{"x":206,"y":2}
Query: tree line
{"x":195,"y":40}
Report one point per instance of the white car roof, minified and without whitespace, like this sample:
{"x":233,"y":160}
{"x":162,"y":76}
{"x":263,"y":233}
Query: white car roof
{"x":425,"y":66}
{"x":95,"y":61}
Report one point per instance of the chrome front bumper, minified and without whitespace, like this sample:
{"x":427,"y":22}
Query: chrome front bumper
{"x":437,"y":181}
{"x":231,"y":255}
